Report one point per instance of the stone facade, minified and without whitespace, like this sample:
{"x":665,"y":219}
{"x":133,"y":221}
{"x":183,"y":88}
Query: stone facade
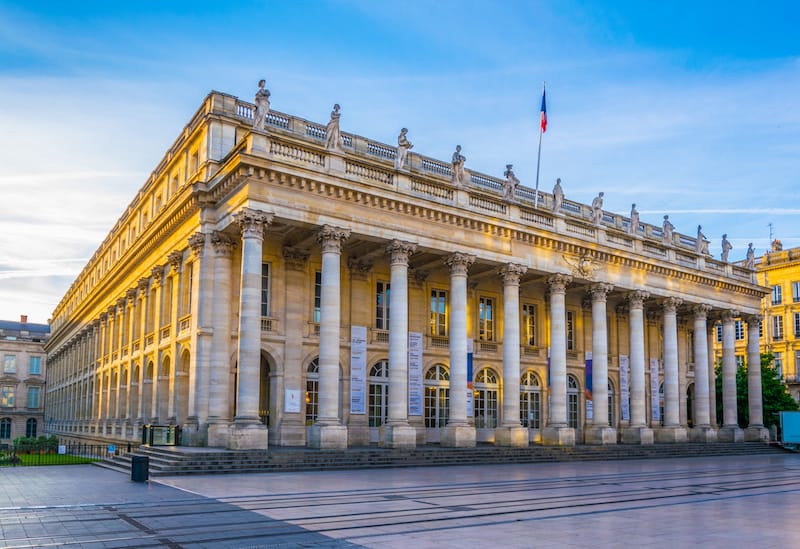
{"x":263,"y":288}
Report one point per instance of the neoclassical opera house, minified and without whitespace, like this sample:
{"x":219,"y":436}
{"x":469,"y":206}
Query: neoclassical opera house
{"x":277,"y":281}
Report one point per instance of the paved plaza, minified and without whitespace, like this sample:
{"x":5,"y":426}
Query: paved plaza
{"x":745,"y":501}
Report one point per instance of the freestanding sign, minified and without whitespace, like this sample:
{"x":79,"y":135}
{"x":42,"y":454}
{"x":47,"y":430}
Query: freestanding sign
{"x":790,"y":427}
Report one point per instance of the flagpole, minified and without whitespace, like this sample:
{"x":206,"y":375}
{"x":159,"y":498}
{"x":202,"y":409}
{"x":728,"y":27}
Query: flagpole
{"x":538,"y":160}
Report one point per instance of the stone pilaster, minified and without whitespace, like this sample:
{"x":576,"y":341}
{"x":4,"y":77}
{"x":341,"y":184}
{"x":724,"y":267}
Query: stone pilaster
{"x":328,"y":431}
{"x":458,"y":432}
{"x":672,"y":431}
{"x":557,"y":432}
{"x":600,"y":432}
{"x":510,"y":432}
{"x":397,"y":433}
{"x":702,"y":430}
{"x":730,"y":430}
{"x":248,"y":432}
{"x":755,"y":430}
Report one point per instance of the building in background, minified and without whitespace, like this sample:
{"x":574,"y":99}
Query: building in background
{"x":280,"y":281}
{"x":22,"y":380}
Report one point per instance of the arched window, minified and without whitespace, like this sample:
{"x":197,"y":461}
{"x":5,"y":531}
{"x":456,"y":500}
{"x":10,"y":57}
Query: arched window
{"x":312,"y":391}
{"x":30,"y":428}
{"x":690,"y":405}
{"x":611,"y":399}
{"x":5,"y":427}
{"x":661,"y":404}
{"x":573,"y":401}
{"x":378,"y":393}
{"x":530,"y":400}
{"x":437,"y":396}
{"x":486,"y":390}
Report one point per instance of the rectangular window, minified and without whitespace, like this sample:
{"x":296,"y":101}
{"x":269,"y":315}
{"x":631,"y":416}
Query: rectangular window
{"x":777,"y":295}
{"x":570,"y":330}
{"x":777,"y":328}
{"x":796,"y":292}
{"x":760,"y":329}
{"x":265,"y":304}
{"x":317,"y":296}
{"x":189,"y":281}
{"x":778,"y":363}
{"x":151,"y":312}
{"x":5,"y":427}
{"x":166,"y":310}
{"x":439,"y":313}
{"x":382,"y":306}
{"x":10,"y":364}
{"x":486,"y":319}
{"x":7,"y":396}
{"x":719,"y":333}
{"x":33,"y":397}
{"x":739,"y":330}
{"x":35,"y":366}
{"x":529,"y":324}
{"x":796,"y":364}
{"x":690,"y":343}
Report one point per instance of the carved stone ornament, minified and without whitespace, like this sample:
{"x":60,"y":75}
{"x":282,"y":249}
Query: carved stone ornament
{"x":599,"y":291}
{"x":671,"y":304}
{"x":103,"y":317}
{"x":131,"y":295}
{"x":637,"y":298}
{"x":358,"y":266}
{"x":753,"y":321}
{"x":175,"y":261}
{"x":331,"y":238}
{"x":222,"y":243}
{"x":197,"y":242}
{"x":419,"y":276}
{"x":459,"y":263}
{"x":121,"y":303}
{"x":295,"y":258}
{"x":701,"y":311}
{"x":400,"y":251}
{"x":252,"y":222}
{"x":144,"y":284}
{"x":157,"y":273}
{"x":558,"y":283}
{"x":584,"y":266}
{"x":511,"y":273}
{"x":729,"y":315}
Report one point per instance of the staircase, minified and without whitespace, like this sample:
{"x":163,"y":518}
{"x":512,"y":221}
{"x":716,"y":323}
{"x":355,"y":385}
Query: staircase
{"x":190,"y":460}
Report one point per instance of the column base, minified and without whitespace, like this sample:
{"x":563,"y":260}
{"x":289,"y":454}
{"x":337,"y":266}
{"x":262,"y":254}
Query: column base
{"x":398,"y":436}
{"x":327,"y":436}
{"x":219,"y":434}
{"x":637,"y":435}
{"x":756,"y":433}
{"x":248,"y":436}
{"x":458,"y":436}
{"x":558,"y":436}
{"x":358,"y":434}
{"x":730,"y":433}
{"x":515,"y":436}
{"x":600,"y":436}
{"x":703,"y":434}
{"x":671,"y":434}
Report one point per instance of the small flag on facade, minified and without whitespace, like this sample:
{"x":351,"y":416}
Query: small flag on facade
{"x":544,"y":112}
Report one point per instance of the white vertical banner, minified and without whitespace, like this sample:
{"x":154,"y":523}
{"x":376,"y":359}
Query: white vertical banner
{"x":624,"y":388}
{"x":358,"y":369}
{"x":588,"y":386}
{"x":655,"y":409}
{"x":470,"y":403}
{"x":415,"y":373}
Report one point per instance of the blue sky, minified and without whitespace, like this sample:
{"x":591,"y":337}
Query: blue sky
{"x":687,"y":108}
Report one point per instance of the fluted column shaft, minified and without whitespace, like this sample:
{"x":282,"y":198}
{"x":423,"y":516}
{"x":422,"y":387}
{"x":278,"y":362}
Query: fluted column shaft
{"x":599,"y":294}
{"x":459,"y":265}
{"x":729,"y":411}
{"x":701,"y":402}
{"x":511,"y":340}
{"x":398,"y":332}
{"x":754,"y":390}
{"x":671,"y":392}
{"x":558,"y":350}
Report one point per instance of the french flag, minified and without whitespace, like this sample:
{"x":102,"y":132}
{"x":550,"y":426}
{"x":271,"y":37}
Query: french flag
{"x":543,"y":122}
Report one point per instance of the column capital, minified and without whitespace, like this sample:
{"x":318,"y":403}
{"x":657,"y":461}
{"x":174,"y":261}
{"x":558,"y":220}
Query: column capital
{"x":600,"y":291}
{"x":103,"y":318}
{"x":157,"y":273}
{"x":754,"y":319}
{"x":175,"y":259}
{"x":557,"y":283}
{"x":701,"y":311}
{"x":144,"y":284}
{"x":511,"y":272}
{"x":331,"y":238}
{"x":197,"y":242}
{"x":295,"y":258}
{"x":459,"y":263}
{"x":636,"y":298}
{"x":130,"y":294}
{"x":729,"y":315}
{"x":223,"y":244}
{"x":400,"y":251}
{"x":121,"y":303}
{"x":671,"y":304}
{"x":252,"y":222}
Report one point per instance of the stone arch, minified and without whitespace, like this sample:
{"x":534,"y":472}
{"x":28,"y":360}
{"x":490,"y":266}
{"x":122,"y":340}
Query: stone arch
{"x":267,"y":392}
{"x":181,"y":404}
{"x":148,"y":391}
{"x":163,"y":411}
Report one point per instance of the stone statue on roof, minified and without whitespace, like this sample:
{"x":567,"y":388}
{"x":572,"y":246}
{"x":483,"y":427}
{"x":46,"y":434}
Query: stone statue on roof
{"x":262,"y":106}
{"x":403,"y":146}
{"x":458,"y":167}
{"x":558,"y":196}
{"x":633,"y":228}
{"x":726,"y":247}
{"x":511,"y":183}
{"x":750,"y":261}
{"x":597,"y":209}
{"x":333,"y":137}
{"x":668,"y":230}
{"x":701,"y":244}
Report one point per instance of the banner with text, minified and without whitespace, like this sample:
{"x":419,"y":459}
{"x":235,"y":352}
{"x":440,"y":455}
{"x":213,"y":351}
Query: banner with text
{"x":358,"y":369}
{"x":655,"y":404}
{"x":624,"y":388}
{"x":588,"y":385}
{"x":415,"y":390}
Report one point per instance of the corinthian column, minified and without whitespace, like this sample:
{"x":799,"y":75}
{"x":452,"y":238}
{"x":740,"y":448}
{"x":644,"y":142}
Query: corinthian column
{"x":248,"y":432}
{"x":510,"y":432}
{"x":638,"y":432}
{"x":328,"y":431}
{"x":755,"y":430}
{"x":397,"y":433}
{"x":600,"y":432}
{"x":672,"y":431}
{"x":557,"y":432}
{"x":702,"y":430}
{"x":730,"y":430}
{"x":458,"y":432}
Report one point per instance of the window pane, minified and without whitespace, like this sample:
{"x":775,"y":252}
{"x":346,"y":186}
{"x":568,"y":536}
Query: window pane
{"x":10,"y":364}
{"x":33,"y":397}
{"x":35,"y":365}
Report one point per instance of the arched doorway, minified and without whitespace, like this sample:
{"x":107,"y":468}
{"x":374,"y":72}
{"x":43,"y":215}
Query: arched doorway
{"x":112,"y":394}
{"x":148,"y":392}
{"x":485,"y":395}
{"x":661,"y":404}
{"x":264,"y":391}
{"x":181,"y":405}
{"x":573,"y":404}
{"x":163,"y":411}
{"x":312,"y":392}
{"x":690,"y":405}
{"x":437,"y":400}
{"x":134,"y":393}
{"x":378,"y":389}
{"x":123,"y":394}
{"x":530,"y":400}
{"x":611,"y":408}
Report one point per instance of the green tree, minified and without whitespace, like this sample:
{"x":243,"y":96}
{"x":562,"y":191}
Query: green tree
{"x":775,"y":394}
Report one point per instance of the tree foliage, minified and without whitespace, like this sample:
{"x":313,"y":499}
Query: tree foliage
{"x":775,"y":394}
